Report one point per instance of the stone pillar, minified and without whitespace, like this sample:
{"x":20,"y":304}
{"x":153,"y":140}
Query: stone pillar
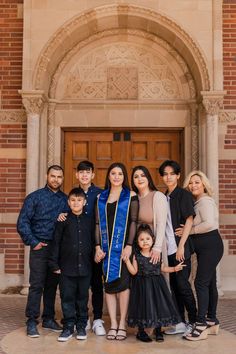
{"x":33,"y":102}
{"x":213,"y":102}
{"x":193,"y":108}
{"x":51,"y":130}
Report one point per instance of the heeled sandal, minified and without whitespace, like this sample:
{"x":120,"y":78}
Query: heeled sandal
{"x":213,"y":326}
{"x":199,"y":332}
{"x":111,"y":336}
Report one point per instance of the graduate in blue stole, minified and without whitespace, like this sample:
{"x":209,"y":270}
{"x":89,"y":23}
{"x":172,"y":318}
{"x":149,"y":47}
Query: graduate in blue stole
{"x":117,"y":210}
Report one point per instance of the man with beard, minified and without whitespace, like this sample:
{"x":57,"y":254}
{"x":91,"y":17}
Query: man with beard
{"x":36,"y":224}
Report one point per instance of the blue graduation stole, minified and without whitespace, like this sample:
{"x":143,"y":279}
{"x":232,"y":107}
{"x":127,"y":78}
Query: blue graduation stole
{"x":112,"y":261}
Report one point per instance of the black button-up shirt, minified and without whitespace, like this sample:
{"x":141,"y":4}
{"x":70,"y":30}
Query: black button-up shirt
{"x":71,"y":249}
{"x":37,"y":218}
{"x":181,"y":207}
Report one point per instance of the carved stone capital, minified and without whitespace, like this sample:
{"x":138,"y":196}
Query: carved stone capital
{"x":33,"y":101}
{"x":213,"y":101}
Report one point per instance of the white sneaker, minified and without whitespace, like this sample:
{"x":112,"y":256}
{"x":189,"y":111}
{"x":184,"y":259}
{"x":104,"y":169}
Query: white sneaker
{"x":88,"y":325}
{"x":179,"y":328}
{"x":188,"y":329}
{"x":98,"y":328}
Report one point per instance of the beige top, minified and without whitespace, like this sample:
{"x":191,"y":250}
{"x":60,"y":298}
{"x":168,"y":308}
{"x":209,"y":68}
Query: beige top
{"x":207,"y":217}
{"x":153,"y":211}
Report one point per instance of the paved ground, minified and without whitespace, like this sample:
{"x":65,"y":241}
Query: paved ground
{"x":12,"y":317}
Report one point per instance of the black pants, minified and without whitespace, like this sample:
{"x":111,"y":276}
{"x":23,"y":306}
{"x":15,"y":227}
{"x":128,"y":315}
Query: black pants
{"x":209,"y":250}
{"x":74,"y":300}
{"x":181,"y":289}
{"x":42,"y":282}
{"x":97,"y":290}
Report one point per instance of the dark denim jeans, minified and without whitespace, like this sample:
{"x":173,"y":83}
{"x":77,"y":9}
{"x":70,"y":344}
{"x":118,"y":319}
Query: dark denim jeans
{"x":181,"y":289}
{"x":74,"y":300}
{"x":42,"y":282}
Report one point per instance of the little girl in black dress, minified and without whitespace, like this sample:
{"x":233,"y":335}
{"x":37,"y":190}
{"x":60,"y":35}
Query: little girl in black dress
{"x":151,"y":304}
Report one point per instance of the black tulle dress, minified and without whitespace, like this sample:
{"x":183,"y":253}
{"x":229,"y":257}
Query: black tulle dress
{"x":151,"y":303}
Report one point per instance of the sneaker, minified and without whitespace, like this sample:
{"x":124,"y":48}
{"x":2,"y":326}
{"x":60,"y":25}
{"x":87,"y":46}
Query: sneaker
{"x":32,"y":330}
{"x":88,"y":325}
{"x":98,"y":327}
{"x":188,"y":329}
{"x":179,"y":328}
{"x":65,"y":335}
{"x":52,"y":325}
{"x":81,"y":333}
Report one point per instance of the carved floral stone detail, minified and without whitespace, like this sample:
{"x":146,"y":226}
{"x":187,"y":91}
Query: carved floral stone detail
{"x":212,"y":104}
{"x":12,"y":116}
{"x":33,"y":104}
{"x":122,"y":83}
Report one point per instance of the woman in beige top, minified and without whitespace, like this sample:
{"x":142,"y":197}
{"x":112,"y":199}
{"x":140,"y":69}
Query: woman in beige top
{"x":152,"y":211}
{"x":208,"y":247}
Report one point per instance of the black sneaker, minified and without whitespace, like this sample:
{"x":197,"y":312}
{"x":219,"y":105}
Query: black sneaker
{"x":143,"y":336}
{"x":52,"y":325}
{"x":81,"y":333}
{"x":65,"y":335}
{"x":32,"y":330}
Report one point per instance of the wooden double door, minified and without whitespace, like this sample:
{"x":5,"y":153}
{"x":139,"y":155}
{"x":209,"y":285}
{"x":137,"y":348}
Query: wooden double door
{"x":131,"y":147}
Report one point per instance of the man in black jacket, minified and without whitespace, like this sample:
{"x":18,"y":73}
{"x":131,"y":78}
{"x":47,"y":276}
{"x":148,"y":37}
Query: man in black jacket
{"x":71,"y":257}
{"x":180,"y":214}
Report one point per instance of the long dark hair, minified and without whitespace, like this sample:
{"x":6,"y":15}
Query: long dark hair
{"x":151,"y":184}
{"x":123,"y":168}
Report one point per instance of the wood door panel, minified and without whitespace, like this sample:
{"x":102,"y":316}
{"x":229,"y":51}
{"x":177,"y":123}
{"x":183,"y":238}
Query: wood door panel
{"x":146,"y":147}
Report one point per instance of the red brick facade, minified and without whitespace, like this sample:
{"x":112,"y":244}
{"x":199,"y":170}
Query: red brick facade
{"x":11,"y":49}
{"x":227,"y":167}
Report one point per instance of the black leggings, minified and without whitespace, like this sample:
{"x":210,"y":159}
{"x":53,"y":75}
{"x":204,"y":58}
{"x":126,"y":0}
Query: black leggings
{"x":209,"y":250}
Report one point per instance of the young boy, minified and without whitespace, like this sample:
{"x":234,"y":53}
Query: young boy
{"x":180,"y":212}
{"x":85,"y":175}
{"x":71,"y":257}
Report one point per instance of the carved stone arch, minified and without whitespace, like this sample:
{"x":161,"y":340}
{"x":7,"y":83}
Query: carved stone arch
{"x":120,"y":16}
{"x":162,"y":72}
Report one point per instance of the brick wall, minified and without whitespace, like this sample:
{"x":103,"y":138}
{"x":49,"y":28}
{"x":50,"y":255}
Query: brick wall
{"x":229,"y":52}
{"x":13,"y":249}
{"x":11,"y":49}
{"x":227,"y":167}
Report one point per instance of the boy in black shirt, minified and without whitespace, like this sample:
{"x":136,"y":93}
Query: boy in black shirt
{"x":180,"y":213}
{"x":71,"y":257}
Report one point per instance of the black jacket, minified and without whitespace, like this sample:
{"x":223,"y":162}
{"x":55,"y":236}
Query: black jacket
{"x":181,"y":207}
{"x":72,"y":247}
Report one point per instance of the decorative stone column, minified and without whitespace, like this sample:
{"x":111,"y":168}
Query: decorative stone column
{"x":193,"y":108}
{"x":51,"y":130}
{"x":33,"y":102}
{"x":213,"y":102}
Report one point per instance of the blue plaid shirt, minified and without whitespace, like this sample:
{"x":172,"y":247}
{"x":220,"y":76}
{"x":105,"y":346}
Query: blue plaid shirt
{"x":38,"y":216}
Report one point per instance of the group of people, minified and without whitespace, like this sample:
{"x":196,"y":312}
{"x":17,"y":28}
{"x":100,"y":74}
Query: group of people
{"x":135,"y":244}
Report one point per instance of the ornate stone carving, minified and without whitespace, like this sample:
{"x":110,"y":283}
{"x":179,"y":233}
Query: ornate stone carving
{"x":194,"y":135}
{"x":115,"y":10}
{"x":51,"y":137}
{"x":213,"y":101}
{"x":33,"y":104}
{"x":227,"y":116}
{"x":12,"y":116}
{"x":122,"y":83}
{"x":87,"y":79}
